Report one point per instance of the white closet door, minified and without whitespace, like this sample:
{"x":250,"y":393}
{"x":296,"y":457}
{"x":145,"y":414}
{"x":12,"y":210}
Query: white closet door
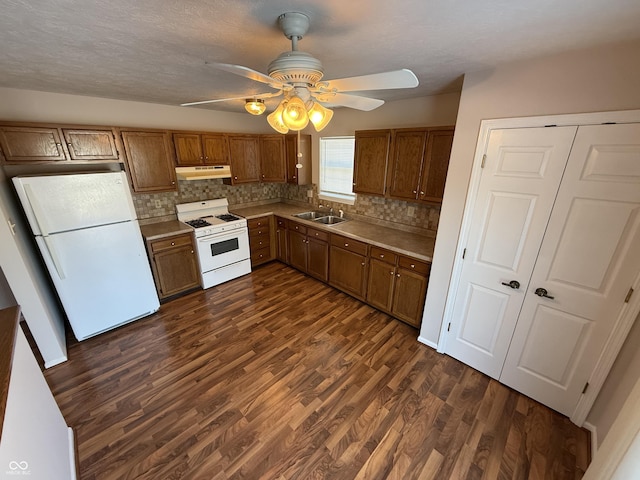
{"x":519,"y":182}
{"x":588,"y":260}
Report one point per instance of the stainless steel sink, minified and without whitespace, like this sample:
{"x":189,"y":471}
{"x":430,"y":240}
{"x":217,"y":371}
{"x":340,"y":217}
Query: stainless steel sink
{"x":310,"y":215}
{"x":330,"y":220}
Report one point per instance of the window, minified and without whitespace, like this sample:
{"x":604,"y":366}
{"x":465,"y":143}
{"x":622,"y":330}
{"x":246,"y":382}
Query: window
{"x":336,"y":169}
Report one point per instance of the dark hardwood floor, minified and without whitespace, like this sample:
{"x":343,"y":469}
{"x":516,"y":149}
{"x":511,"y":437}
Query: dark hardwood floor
{"x":278,"y":376}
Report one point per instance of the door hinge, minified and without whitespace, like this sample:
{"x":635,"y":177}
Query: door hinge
{"x":464,"y":252}
{"x":628,"y":297}
{"x":586,"y":385}
{"x":449,"y":327}
{"x":484,"y":159}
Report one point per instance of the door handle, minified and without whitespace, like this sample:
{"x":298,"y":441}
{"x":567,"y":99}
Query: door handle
{"x":542,"y":292}
{"x":512,"y":284}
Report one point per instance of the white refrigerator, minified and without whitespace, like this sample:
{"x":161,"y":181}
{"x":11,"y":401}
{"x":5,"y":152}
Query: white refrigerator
{"x":86,"y":229}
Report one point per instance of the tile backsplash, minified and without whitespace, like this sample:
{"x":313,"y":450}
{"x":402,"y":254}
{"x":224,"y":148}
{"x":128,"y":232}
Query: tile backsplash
{"x":415,"y":217}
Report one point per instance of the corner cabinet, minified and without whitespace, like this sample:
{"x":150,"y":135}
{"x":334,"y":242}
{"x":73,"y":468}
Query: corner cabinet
{"x":174,"y":264}
{"x":150,"y":160}
{"x":295,"y":175}
{"x":309,"y":250}
{"x":22,"y":144}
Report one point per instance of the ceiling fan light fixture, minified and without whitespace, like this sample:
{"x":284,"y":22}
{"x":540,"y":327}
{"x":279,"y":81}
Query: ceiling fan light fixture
{"x":319,"y":116}
{"x":275,"y":119}
{"x":255,"y":106}
{"x":295,"y":115}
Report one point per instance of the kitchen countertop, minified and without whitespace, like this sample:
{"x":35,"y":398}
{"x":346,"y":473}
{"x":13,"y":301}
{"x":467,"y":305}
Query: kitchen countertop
{"x":155,"y":231}
{"x":412,"y":244}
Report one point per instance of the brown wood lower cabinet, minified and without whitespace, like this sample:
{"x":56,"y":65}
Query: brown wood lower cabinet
{"x":282,"y":243}
{"x":174,"y":264}
{"x":260,"y":240}
{"x":348,"y":265}
{"x":397,"y":285}
{"x":308,"y":250}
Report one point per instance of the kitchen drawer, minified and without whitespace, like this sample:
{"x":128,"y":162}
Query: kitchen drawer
{"x":260,"y":255}
{"x":415,"y":265}
{"x":261,"y":223}
{"x":171,"y":242}
{"x":259,"y":231}
{"x":349,"y":244}
{"x":260,"y":241}
{"x":383,"y":255}
{"x":320,"y":235}
{"x":298,"y":227}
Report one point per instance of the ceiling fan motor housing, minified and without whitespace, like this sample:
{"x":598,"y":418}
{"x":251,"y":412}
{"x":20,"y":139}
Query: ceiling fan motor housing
{"x":296,"y":67}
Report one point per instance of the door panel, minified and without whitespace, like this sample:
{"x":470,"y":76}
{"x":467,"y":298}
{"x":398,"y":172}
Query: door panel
{"x":520,"y":179}
{"x":589,"y":258}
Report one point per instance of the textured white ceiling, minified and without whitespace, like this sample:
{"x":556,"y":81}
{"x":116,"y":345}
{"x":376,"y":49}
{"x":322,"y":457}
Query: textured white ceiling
{"x":155,"y":50}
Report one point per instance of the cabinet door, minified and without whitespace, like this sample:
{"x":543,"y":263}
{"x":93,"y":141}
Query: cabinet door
{"x":175,"y":265}
{"x":272,"y":158}
{"x":318,"y":257}
{"x":298,"y":250}
{"x":245,"y":159}
{"x":298,"y":176}
{"x":216,"y":149}
{"x":409,"y":294}
{"x":370,"y":162}
{"x":91,"y":144}
{"x":188,"y":149}
{"x":150,"y":161}
{"x":380,"y":288}
{"x":406,"y":163}
{"x":282,"y":245}
{"x":31,"y":144}
{"x":436,"y":164}
{"x":348,"y":271}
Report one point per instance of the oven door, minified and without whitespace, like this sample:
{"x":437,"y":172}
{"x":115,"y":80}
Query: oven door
{"x":222,"y":249}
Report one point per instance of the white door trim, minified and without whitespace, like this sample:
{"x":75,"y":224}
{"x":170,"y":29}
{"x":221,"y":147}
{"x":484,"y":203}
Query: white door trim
{"x":624,"y":323}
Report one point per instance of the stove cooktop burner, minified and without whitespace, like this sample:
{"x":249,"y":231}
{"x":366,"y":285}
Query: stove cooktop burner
{"x":227,"y":217}
{"x":198,"y":223}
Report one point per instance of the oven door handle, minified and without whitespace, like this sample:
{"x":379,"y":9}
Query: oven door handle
{"x":218,"y":237}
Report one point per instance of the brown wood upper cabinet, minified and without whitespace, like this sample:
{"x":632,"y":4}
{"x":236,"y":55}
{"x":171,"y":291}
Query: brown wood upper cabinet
{"x":370,"y":162}
{"x":407,"y":164}
{"x":50,"y":143}
{"x":201,"y":148}
{"x":298,"y":176}
{"x":150,"y":160}
{"x":272,"y":158}
{"x":244,"y":151}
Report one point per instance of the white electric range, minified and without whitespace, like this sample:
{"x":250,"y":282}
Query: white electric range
{"x":222,"y":240}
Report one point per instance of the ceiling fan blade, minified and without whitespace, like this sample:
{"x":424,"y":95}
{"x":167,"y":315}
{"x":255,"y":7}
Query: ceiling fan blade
{"x":352,"y":101}
{"x":248,"y":73}
{"x":377,"y":81}
{"x":244,"y":97}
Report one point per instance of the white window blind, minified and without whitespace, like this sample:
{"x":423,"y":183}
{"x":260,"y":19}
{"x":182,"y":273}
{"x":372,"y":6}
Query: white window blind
{"x":336,"y":169}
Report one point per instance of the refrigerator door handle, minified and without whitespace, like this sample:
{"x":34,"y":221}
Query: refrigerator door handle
{"x":36,"y":209}
{"x":54,"y":257}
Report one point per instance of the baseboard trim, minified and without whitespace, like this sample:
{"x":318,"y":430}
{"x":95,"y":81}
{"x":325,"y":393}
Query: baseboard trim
{"x":594,"y":436}
{"x":429,"y":343}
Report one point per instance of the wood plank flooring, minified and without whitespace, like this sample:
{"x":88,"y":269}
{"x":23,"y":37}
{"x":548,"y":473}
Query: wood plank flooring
{"x":278,"y":376}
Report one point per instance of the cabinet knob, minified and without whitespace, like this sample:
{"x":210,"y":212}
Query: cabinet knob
{"x":413,"y":266}
{"x":173,"y":183}
{"x":173,"y":243}
{"x":382,"y":255}
{"x":259,"y":243}
{"x":398,"y":275}
{"x":201,"y":158}
{"x":415,"y":191}
{"x":316,"y":234}
{"x":362,"y":264}
{"x":206,"y":158}
{"x":235,"y":178}
{"x":294,"y":177}
{"x":346,"y":244}
{"x":191,"y":251}
{"x":421,"y":193}
{"x":391,"y":273}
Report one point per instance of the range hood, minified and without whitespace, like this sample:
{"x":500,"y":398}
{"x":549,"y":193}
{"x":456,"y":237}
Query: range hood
{"x":203,"y":173}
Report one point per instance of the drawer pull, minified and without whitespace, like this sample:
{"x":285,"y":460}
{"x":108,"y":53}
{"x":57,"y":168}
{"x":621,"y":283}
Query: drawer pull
{"x":382,"y":255}
{"x":173,"y":244}
{"x":346,"y":244}
{"x":413,"y":265}
{"x":391,"y":273}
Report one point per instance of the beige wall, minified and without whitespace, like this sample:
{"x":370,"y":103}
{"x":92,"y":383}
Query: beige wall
{"x":603,"y":79}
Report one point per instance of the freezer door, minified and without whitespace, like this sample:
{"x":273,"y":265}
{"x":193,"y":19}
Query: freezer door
{"x":59,"y":203}
{"x":102,"y":276}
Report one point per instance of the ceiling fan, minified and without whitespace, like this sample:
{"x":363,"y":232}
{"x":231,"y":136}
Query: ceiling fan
{"x":297,"y":77}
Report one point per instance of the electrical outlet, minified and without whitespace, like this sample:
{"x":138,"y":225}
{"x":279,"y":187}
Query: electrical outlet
{"x":158,"y":204}
{"x":309,"y":193}
{"x":411,"y":211}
